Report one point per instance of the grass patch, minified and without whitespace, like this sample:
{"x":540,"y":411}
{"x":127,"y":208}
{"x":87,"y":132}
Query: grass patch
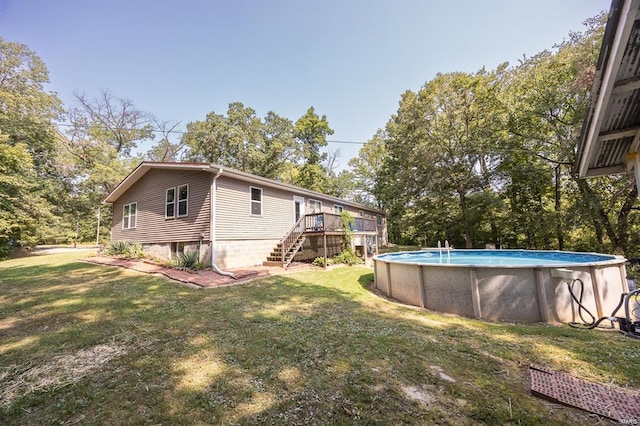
{"x":92,"y":345}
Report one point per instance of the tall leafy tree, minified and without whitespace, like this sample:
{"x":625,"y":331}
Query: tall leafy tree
{"x":366,"y":170}
{"x":311,"y":131}
{"x":442,"y":144}
{"x":28,"y":144}
{"x":242,"y":140}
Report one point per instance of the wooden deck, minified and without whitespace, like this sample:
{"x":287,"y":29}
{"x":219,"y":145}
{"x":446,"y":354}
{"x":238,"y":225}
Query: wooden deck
{"x":318,"y":225}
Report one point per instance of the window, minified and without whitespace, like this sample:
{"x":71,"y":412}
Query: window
{"x":337,"y":209}
{"x":176,"y":249}
{"x":379,"y":220}
{"x":177,"y":202}
{"x":183,"y":200}
{"x":361,"y":213}
{"x":256,"y":201}
{"x":170,"y":208}
{"x":129,"y":214}
{"x":315,"y":206}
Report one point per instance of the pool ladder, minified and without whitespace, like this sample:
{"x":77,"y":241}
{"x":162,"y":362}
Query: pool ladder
{"x":446,"y":248}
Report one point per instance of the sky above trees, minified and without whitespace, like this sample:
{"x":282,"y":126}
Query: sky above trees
{"x":351,"y":60}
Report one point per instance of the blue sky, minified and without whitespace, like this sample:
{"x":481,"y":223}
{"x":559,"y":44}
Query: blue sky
{"x":350,"y":59}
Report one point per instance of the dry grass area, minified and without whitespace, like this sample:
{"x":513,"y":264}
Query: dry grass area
{"x":84,"y":344}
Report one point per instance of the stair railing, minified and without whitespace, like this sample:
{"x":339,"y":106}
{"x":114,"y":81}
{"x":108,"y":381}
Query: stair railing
{"x":291,"y":237}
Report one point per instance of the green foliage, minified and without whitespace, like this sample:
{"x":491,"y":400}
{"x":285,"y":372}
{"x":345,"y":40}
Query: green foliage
{"x":367,"y":170}
{"x":486,"y":157}
{"x":125,"y":248}
{"x":346,"y":257}
{"x":319,"y":261}
{"x":244,"y":141}
{"x":28,"y":147}
{"x":188,"y":260}
{"x":311,"y":132}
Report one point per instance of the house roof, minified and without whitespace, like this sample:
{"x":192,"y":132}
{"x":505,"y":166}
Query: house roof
{"x":145,"y":166}
{"x":611,"y":131}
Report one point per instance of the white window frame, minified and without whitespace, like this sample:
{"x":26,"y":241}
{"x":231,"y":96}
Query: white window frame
{"x":167,"y":203}
{"x":338,"y":209}
{"x":126,"y":218}
{"x":185,"y":200}
{"x":259,"y":202}
{"x":317,"y":203}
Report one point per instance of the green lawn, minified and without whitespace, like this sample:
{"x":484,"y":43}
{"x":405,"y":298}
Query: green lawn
{"x":84,"y":344}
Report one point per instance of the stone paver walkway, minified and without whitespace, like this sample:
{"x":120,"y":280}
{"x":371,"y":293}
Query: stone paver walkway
{"x":203,"y":279}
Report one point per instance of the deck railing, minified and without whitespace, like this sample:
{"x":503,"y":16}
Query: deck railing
{"x":326,"y":222}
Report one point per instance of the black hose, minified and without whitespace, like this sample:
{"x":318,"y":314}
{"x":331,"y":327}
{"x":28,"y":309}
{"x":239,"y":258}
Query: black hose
{"x":588,"y":325}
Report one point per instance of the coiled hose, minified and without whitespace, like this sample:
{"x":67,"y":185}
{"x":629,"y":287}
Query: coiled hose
{"x":589,"y":325}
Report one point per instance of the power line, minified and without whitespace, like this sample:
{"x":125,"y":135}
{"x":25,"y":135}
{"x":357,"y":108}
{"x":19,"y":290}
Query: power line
{"x":183,"y":132}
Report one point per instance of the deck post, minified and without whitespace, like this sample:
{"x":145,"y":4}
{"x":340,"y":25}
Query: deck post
{"x":324,"y":242}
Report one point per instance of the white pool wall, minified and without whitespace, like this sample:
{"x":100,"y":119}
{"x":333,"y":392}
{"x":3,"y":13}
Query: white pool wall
{"x":527,"y":294}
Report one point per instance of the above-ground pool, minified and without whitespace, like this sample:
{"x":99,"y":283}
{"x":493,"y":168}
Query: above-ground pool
{"x":509,"y":285}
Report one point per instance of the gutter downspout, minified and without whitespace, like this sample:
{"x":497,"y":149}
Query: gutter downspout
{"x":212,"y":227}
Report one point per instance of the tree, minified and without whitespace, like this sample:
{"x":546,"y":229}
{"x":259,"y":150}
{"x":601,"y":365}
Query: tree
{"x":366,"y":169}
{"x":442,"y":145}
{"x":243,"y":140}
{"x":104,"y":131}
{"x":28,"y":144}
{"x":311,"y":133}
{"x":165,"y":150}
{"x":547,"y":98}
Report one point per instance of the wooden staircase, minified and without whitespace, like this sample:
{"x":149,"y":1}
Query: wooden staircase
{"x":288,"y":247}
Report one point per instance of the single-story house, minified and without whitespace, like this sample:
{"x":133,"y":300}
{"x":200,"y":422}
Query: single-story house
{"x":234,"y":219}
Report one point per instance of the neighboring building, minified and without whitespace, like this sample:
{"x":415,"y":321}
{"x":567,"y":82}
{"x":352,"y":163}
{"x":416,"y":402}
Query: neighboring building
{"x":234,"y":218}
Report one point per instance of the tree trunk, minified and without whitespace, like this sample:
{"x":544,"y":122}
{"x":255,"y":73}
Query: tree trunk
{"x":465,"y":217}
{"x":558,"y":206}
{"x":618,"y":235}
{"x":598,"y":214}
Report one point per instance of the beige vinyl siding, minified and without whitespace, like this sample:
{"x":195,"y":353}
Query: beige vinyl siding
{"x":150,"y":192}
{"x":234,"y":220}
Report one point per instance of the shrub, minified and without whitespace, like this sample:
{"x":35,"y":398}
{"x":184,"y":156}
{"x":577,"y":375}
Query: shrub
{"x":188,"y":260}
{"x":135,"y":251}
{"x":319,"y":261}
{"x":125,"y":248}
{"x":348,"y":257}
{"x":118,"y":247}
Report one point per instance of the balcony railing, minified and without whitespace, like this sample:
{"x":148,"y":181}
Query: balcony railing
{"x":328,"y":222}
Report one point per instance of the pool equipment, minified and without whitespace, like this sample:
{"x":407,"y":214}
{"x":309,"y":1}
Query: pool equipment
{"x":629,"y":325}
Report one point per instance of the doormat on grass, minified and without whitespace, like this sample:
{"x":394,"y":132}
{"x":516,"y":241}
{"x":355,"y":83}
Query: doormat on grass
{"x":606,"y":401}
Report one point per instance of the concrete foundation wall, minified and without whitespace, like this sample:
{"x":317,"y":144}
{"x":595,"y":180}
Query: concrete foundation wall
{"x":524,"y":294}
{"x":229,"y":254}
{"x":243,"y":253}
{"x":163,"y":250}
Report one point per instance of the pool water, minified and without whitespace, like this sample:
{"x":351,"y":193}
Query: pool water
{"x":495,"y":257}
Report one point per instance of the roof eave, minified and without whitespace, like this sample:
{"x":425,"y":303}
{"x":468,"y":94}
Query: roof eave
{"x":619,"y":26}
